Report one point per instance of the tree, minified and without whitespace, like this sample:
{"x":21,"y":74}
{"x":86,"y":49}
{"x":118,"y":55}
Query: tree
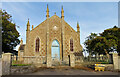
{"x":9,"y":33}
{"x":107,"y":41}
{"x":118,"y":47}
{"x":113,"y":36}
{"x":88,"y":41}
{"x":98,"y":45}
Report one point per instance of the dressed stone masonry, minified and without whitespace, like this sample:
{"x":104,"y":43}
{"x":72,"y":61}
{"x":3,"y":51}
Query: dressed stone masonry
{"x":6,"y":63}
{"x":52,"y":40}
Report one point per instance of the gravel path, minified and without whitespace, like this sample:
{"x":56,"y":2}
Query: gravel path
{"x":70,"y":71}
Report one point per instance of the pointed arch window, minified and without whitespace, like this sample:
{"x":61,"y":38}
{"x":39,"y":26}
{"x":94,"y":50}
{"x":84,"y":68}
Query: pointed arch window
{"x":37,"y":45}
{"x":71,"y":44}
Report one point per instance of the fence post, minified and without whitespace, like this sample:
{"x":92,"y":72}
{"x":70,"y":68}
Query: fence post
{"x":115,"y":61}
{"x":97,"y":57}
{"x":6,"y":63}
{"x":110,"y":58}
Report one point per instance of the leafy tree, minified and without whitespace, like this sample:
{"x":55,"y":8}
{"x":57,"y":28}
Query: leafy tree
{"x":118,"y":47}
{"x":9,"y":33}
{"x":101,"y":45}
{"x":107,"y":41}
{"x":88,"y":41}
{"x":113,"y":36}
{"x":98,"y":45}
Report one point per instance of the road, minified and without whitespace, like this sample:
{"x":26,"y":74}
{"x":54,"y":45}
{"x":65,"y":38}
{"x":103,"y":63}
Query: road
{"x":69,"y":71}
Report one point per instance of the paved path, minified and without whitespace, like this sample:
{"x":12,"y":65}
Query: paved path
{"x":70,"y":71}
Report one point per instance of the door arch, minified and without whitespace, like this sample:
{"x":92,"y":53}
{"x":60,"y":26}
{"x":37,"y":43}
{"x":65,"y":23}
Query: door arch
{"x":55,"y":50}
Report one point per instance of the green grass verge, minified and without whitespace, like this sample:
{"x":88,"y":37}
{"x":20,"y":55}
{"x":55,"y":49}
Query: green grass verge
{"x":21,"y":64}
{"x":104,"y":62}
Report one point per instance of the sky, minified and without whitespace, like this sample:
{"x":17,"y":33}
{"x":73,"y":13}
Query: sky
{"x":92,"y":16}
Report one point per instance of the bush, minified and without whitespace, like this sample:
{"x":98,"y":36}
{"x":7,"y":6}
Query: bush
{"x":104,"y":62}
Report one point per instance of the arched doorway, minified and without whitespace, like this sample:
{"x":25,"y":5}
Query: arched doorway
{"x":55,"y":52}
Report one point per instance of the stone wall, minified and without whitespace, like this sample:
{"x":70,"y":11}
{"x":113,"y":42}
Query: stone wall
{"x":115,"y":61}
{"x":17,"y":70}
{"x":119,"y":63}
{"x":109,"y":67}
{"x":34,"y":60}
{"x":78,"y":60}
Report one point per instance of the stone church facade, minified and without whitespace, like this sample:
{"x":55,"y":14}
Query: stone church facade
{"x":54,"y":40}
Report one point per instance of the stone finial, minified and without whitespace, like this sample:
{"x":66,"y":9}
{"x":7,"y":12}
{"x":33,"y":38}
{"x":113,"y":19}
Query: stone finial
{"x":55,"y":13}
{"x":21,"y":41}
{"x":28,"y":22}
{"x":32,"y":27}
{"x":28,"y":25}
{"x":47,"y":12}
{"x":78,"y":28}
{"x":62,"y":13}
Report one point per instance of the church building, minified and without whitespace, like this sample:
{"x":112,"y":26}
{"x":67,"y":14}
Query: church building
{"x":52,"y":42}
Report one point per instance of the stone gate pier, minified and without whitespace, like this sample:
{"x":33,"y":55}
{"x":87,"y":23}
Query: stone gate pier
{"x":6,"y":63}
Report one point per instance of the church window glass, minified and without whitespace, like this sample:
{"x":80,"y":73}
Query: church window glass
{"x":71,"y":44}
{"x":37,"y":45}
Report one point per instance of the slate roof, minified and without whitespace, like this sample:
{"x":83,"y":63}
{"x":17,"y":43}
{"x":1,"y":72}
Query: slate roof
{"x":22,"y":47}
{"x":78,"y":53}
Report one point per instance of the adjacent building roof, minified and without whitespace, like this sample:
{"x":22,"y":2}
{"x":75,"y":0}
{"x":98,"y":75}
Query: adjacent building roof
{"x":22,"y":47}
{"x":78,"y":53}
